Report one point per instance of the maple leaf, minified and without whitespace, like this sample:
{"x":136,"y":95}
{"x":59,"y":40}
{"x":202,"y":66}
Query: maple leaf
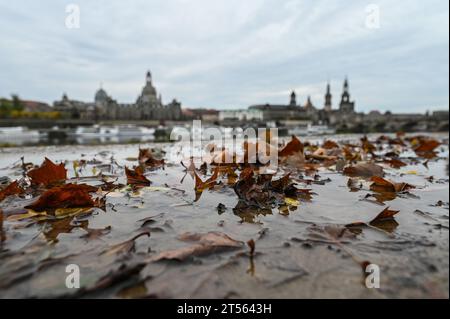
{"x":146,"y":158}
{"x":200,"y":185}
{"x":204,"y":244}
{"x":136,"y":177}
{"x":293,"y":154}
{"x":425,"y":147}
{"x":124,"y":247}
{"x":11,"y":189}
{"x":395,"y":163}
{"x":65,"y":196}
{"x":292,"y":148}
{"x":48,"y":173}
{"x":328,"y":144}
{"x":364,"y":170}
{"x":382,"y":185}
{"x":384,"y":221}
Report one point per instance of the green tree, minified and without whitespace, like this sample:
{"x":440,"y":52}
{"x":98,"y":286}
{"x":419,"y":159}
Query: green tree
{"x":17,"y":104}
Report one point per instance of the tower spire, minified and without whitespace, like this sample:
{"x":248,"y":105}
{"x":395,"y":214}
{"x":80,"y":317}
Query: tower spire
{"x":328,"y":97}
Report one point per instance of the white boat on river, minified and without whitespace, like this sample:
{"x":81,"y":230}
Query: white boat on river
{"x":113,"y":131}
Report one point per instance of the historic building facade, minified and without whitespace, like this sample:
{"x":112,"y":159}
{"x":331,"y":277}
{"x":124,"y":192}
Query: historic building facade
{"x":148,"y":106}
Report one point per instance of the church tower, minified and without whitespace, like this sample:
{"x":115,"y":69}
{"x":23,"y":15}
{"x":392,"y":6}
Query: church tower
{"x":328,"y":97}
{"x":346,"y":105}
{"x":293,"y":101}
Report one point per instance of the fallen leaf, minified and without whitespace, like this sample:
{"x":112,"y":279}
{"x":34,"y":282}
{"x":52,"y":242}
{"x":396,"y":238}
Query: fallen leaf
{"x":146,"y":158}
{"x":200,"y":185}
{"x":385,"y":215}
{"x":364,"y":170}
{"x":251,"y":245}
{"x":395,"y":163}
{"x":328,"y":144}
{"x":2,"y":232}
{"x":11,"y":189}
{"x":124,"y":247}
{"x":65,"y":196}
{"x":95,"y":233}
{"x":204,"y":244}
{"x":136,"y":177}
{"x":382,"y":185}
{"x":48,"y":173}
{"x":293,"y":154}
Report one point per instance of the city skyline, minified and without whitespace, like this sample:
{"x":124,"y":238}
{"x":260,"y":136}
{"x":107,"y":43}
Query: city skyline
{"x":231,"y":55}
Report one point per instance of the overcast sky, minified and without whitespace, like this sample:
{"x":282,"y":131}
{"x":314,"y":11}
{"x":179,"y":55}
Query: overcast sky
{"x":229,"y":53}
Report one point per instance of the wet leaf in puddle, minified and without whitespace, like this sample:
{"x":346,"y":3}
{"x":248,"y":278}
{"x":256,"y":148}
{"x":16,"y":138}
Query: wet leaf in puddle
{"x":384,"y":221}
{"x":147,"y":159}
{"x":395,"y":163}
{"x":66,"y":196}
{"x":96,"y":233}
{"x":200,"y":185}
{"x":124,"y":247}
{"x":2,"y":232}
{"x":292,"y":155}
{"x":48,"y":173}
{"x":382,"y":185}
{"x":150,"y":220}
{"x":203,"y":244}
{"x":366,"y":170}
{"x":61,"y":226}
{"x":136,"y":177}
{"x":11,"y":189}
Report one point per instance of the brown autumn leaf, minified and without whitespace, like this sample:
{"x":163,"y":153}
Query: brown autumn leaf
{"x":124,"y":247}
{"x":95,"y":233}
{"x":136,"y":177}
{"x":328,"y":144}
{"x":384,"y":221}
{"x":365,"y":170}
{"x":204,"y":244}
{"x":427,"y":145}
{"x":292,"y":148}
{"x":354,"y":184}
{"x":61,"y":226}
{"x":251,"y":245}
{"x":292,"y":154}
{"x":200,"y":185}
{"x":386,"y":214}
{"x":48,"y":173}
{"x":367,"y":146}
{"x":2,"y":232}
{"x":146,"y":158}
{"x":65,"y":196}
{"x":395,"y":163}
{"x":11,"y":189}
{"x":381,"y":185}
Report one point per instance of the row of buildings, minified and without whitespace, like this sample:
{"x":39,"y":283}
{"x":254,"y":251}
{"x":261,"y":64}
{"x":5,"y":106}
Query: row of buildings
{"x":148,"y":106}
{"x":295,"y":111}
{"x":344,"y":118}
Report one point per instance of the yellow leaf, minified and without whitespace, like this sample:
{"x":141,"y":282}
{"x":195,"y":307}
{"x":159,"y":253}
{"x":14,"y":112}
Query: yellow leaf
{"x":30,"y":214}
{"x":291,"y":202}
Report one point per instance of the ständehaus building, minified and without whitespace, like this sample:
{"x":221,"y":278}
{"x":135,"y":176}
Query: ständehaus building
{"x":148,"y":106}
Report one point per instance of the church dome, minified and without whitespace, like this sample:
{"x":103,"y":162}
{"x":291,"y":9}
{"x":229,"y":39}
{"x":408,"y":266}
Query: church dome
{"x":149,"y":89}
{"x":101,"y":96}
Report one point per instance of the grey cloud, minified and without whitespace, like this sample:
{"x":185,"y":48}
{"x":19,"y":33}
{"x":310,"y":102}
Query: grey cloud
{"x":229,"y":54}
